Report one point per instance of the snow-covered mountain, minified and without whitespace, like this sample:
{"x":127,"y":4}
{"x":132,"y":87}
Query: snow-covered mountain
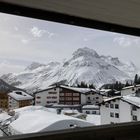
{"x":5,"y":87}
{"x":85,"y":65}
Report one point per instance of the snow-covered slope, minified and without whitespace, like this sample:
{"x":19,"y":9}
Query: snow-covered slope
{"x":85,"y":65}
{"x":40,"y":119}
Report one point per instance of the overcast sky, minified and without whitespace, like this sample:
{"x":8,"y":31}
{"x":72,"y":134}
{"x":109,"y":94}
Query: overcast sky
{"x":26,"y":40}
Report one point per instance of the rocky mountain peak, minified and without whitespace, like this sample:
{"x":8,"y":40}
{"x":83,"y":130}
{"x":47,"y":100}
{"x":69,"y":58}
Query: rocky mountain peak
{"x":34,"y":65}
{"x":85,"y":52}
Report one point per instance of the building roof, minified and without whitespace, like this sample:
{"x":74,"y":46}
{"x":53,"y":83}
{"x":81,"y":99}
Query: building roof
{"x":48,"y":88}
{"x":42,"y":120}
{"x":90,"y":107}
{"x":80,"y":90}
{"x":20,"y":95}
{"x":132,"y":99}
{"x":111,"y":98}
{"x":129,"y":87}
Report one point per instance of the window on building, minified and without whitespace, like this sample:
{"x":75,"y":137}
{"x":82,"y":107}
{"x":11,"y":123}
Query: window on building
{"x":116,"y":115}
{"x":76,"y":94}
{"x":97,"y":97}
{"x":68,"y":98}
{"x":93,"y":112}
{"x":106,"y":105}
{"x":75,"y":98}
{"x":134,"y":118}
{"x":116,"y":106}
{"x":134,"y":108}
{"x":52,"y":92}
{"x":38,"y":97}
{"x":54,"y":97}
{"x":88,"y":98}
{"x":111,"y":105}
{"x":48,"y":97}
{"x":111,"y":114}
{"x":87,"y":112}
{"x":68,"y":94}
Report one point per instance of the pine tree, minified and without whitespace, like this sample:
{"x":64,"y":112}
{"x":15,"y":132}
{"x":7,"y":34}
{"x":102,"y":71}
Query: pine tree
{"x":91,"y":86}
{"x":136,"y":79}
{"x":127,"y":84}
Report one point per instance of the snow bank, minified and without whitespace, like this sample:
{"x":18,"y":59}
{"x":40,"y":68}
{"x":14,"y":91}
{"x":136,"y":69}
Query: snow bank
{"x":40,"y":119}
{"x":95,"y":119}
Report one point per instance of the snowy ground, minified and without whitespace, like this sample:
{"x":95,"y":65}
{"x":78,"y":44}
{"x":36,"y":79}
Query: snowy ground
{"x":95,"y":119}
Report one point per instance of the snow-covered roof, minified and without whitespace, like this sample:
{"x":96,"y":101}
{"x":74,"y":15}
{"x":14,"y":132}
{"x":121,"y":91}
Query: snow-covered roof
{"x":132,"y":99}
{"x":129,"y":87}
{"x":81,"y":90}
{"x":111,"y":98}
{"x":105,"y":90}
{"x":42,"y":120}
{"x":48,"y":88}
{"x":90,"y":106}
{"x":20,"y":95}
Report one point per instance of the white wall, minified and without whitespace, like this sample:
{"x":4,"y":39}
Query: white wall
{"x":44,"y":97}
{"x":127,"y":91}
{"x":105,"y":113}
{"x":125,"y":112}
{"x":83,"y":99}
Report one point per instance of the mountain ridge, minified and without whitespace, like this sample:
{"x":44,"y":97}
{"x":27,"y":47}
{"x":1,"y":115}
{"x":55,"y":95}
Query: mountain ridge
{"x":84,"y":65}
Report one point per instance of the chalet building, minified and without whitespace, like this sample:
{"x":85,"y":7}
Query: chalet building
{"x":92,"y":97}
{"x":75,"y":96}
{"x":120,"y":109}
{"x":4,"y":100}
{"x":4,"y":90}
{"x":91,"y":109}
{"x":129,"y":90}
{"x":17,"y":99}
{"x":66,"y":95}
{"x":48,"y":96}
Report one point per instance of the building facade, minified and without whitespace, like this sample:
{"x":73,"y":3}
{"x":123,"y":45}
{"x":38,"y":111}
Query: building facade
{"x":4,"y":100}
{"x":18,"y":99}
{"x":69,"y":97}
{"x":66,"y":95}
{"x":120,"y":109}
{"x":48,"y":96}
{"x":91,"y":109}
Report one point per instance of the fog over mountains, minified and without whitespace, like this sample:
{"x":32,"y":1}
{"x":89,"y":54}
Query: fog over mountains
{"x":84,"y":65}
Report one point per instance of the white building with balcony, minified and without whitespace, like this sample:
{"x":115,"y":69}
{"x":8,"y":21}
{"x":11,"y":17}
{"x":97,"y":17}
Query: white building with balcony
{"x":120,"y":109}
